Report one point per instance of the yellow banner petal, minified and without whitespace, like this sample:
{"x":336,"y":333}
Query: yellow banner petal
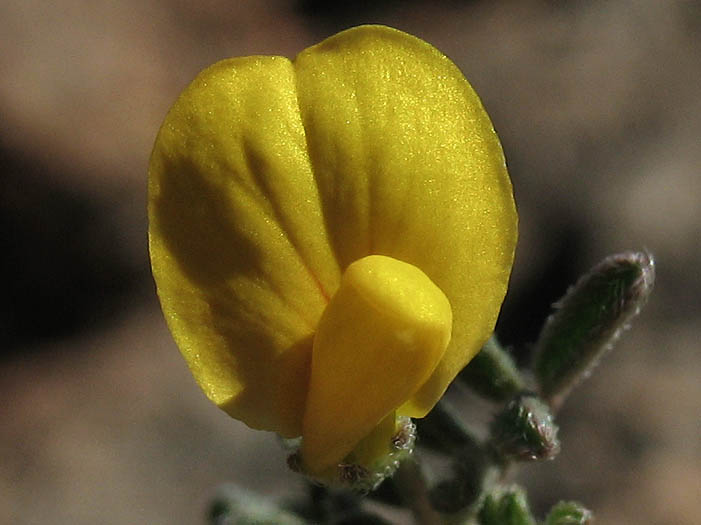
{"x":408,"y":165}
{"x":238,"y":241}
{"x":269,"y":178}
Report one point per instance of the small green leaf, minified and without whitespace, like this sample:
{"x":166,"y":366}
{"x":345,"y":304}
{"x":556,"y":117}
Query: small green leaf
{"x":589,"y":319}
{"x":505,"y":506}
{"x":568,"y":513}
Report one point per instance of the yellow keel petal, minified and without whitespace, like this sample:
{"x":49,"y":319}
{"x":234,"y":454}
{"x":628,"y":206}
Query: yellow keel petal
{"x":378,"y":341}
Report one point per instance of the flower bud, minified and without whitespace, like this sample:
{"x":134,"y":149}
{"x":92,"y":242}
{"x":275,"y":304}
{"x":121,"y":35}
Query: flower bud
{"x":525,"y":430}
{"x":568,"y":513}
{"x":232,"y":504}
{"x":589,"y":319}
{"x":506,"y":506}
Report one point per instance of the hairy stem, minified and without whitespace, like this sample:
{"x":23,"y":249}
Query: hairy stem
{"x":413,"y":489}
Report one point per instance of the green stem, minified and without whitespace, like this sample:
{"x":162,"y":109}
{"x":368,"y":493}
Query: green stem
{"x":443,"y":431}
{"x":492,"y":373}
{"x":412,"y":486}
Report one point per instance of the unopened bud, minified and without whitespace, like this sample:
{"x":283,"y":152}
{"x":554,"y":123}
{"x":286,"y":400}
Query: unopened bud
{"x":525,"y":430}
{"x":589,"y":319}
{"x":569,"y":513}
{"x":505,"y":506}
{"x":233,"y":505}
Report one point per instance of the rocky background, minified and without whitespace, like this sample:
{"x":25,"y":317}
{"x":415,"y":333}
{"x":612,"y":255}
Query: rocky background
{"x":598,"y":105}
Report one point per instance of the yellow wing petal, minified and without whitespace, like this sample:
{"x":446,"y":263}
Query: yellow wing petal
{"x":379,"y":339}
{"x":408,"y":165}
{"x":238,"y":241}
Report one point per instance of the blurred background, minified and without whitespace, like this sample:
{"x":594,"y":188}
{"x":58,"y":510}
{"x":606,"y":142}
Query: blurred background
{"x":598,"y":105}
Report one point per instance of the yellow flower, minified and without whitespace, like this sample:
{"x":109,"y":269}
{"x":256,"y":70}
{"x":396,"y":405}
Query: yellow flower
{"x":331,"y":237}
